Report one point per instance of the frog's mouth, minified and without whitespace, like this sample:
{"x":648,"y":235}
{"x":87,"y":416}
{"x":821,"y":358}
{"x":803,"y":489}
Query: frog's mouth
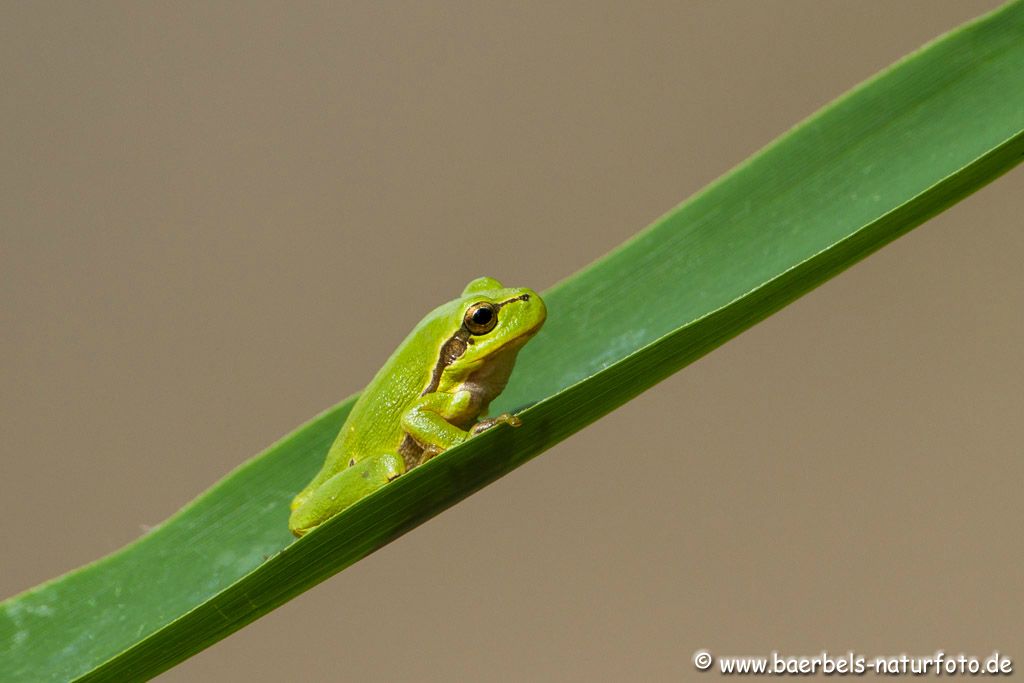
{"x":524,"y":337}
{"x":516,"y":343}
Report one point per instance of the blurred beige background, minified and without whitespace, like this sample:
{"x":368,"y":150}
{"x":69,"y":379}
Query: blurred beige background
{"x":217,"y":220}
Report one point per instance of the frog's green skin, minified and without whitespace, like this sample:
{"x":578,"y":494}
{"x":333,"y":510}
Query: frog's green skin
{"x":426,"y":398}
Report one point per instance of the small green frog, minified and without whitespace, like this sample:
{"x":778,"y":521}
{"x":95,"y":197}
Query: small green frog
{"x":426,"y":398}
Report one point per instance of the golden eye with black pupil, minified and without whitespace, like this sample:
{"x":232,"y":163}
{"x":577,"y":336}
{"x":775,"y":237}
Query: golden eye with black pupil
{"x":481,"y":318}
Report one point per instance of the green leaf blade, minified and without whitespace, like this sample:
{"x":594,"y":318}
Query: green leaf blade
{"x":858,"y":158}
{"x":869,"y":167}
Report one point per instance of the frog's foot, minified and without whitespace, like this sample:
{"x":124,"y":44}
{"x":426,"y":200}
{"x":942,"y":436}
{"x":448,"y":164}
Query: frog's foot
{"x":343,"y":489}
{"x":488,"y":422}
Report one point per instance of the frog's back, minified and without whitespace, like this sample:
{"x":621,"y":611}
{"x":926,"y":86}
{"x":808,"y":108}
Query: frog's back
{"x":375,"y":424}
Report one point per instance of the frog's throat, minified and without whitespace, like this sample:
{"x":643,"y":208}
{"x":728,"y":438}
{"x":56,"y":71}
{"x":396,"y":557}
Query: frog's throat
{"x":456,"y":345}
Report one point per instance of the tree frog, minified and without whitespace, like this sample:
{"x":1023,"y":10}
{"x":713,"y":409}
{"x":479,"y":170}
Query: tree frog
{"x":426,"y":398}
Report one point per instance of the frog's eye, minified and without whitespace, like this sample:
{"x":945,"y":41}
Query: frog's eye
{"x":481,"y":318}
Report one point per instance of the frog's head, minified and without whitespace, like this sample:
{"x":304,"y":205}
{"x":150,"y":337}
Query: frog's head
{"x":490,"y":324}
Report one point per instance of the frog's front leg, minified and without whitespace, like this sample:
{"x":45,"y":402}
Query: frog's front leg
{"x":429,"y":421}
{"x":343,"y":489}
